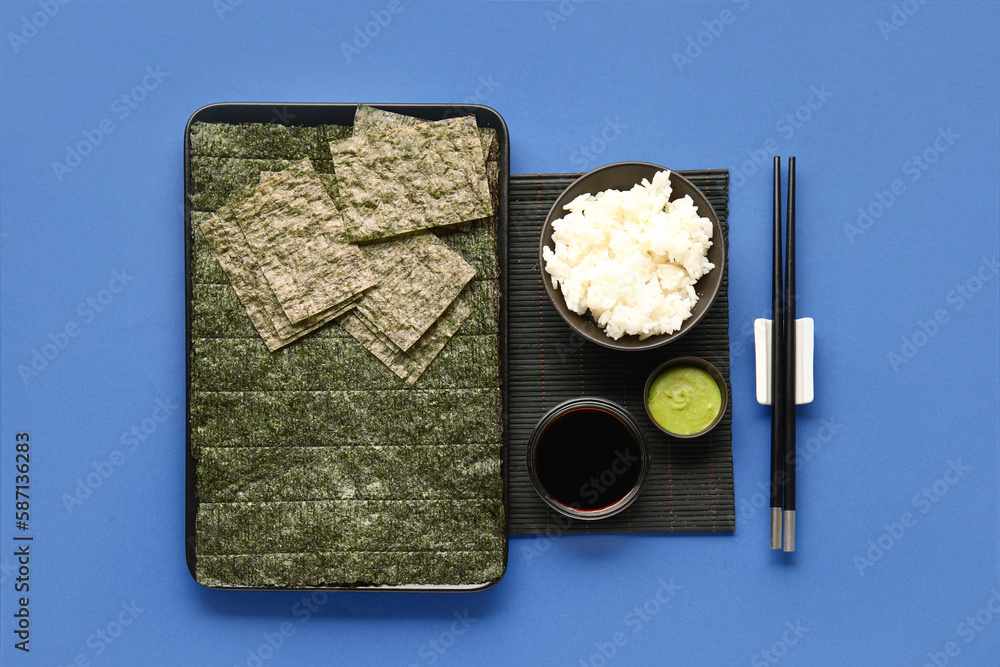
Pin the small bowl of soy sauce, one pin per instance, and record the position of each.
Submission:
(587, 458)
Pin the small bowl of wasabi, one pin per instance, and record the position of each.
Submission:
(686, 397)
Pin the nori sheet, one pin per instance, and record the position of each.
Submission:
(420, 472)
(371, 121)
(316, 464)
(233, 255)
(418, 278)
(265, 141)
(293, 228)
(410, 179)
(408, 364)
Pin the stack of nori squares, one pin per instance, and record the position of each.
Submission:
(279, 246)
(317, 465)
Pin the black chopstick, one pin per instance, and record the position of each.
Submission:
(777, 370)
(789, 366)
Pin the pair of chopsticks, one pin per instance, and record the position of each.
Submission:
(783, 369)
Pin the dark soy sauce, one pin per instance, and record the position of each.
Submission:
(588, 459)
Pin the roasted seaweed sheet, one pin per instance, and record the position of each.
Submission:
(411, 178)
(279, 245)
(317, 465)
(234, 256)
(418, 278)
(293, 227)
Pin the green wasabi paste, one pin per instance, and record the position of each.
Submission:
(684, 400)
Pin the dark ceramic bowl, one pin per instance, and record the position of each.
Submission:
(622, 176)
(702, 364)
(591, 476)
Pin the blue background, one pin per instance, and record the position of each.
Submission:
(905, 303)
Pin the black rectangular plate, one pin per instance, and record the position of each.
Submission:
(309, 115)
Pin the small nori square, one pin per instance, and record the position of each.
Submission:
(293, 227)
(281, 438)
(233, 254)
(411, 363)
(264, 141)
(371, 121)
(418, 278)
(413, 178)
(270, 417)
(421, 472)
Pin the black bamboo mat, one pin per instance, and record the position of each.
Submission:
(690, 483)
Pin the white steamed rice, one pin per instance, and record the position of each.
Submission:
(632, 258)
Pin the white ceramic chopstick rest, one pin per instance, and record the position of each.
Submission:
(804, 330)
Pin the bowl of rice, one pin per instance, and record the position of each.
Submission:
(632, 255)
